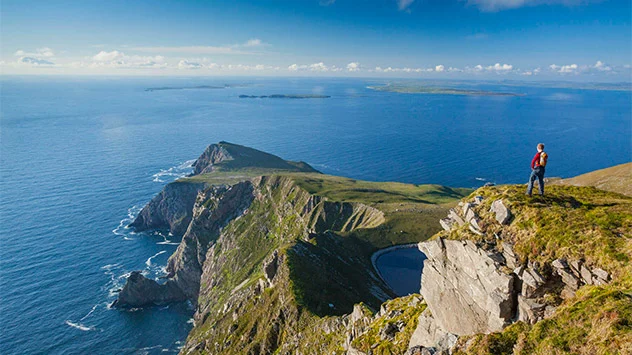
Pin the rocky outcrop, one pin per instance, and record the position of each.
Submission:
(171, 209)
(483, 278)
(459, 275)
(140, 291)
(213, 154)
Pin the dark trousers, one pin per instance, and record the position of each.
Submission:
(537, 173)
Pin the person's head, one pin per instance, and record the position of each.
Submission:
(540, 147)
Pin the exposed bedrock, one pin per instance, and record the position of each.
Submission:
(171, 209)
(460, 276)
(140, 291)
(213, 154)
(214, 209)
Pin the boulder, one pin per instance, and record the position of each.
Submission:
(453, 215)
(470, 215)
(503, 214)
(587, 276)
(511, 259)
(600, 276)
(562, 269)
(446, 223)
(530, 311)
(427, 333)
(532, 282)
(460, 276)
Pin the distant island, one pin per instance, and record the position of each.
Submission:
(278, 96)
(423, 89)
(199, 87)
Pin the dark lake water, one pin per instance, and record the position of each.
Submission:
(401, 268)
(80, 156)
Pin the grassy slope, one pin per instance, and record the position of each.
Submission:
(575, 223)
(249, 158)
(412, 211)
(616, 179)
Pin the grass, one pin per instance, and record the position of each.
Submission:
(614, 179)
(577, 223)
(245, 157)
(406, 312)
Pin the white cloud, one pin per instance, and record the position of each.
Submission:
(499, 5)
(454, 70)
(318, 67)
(353, 66)
(104, 56)
(185, 64)
(118, 59)
(242, 48)
(439, 68)
(564, 69)
(601, 66)
(43, 52)
(404, 4)
(35, 62)
(500, 68)
(254, 42)
(326, 2)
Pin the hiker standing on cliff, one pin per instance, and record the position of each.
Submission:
(537, 169)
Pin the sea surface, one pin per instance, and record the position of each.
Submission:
(80, 156)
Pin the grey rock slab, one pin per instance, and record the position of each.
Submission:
(503, 214)
(460, 276)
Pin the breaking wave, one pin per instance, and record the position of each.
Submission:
(175, 172)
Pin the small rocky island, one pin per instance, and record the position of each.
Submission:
(283, 96)
(276, 258)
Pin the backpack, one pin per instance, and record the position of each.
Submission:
(543, 158)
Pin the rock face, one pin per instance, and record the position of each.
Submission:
(213, 154)
(140, 291)
(213, 210)
(171, 209)
(460, 276)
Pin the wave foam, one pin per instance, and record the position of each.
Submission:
(79, 326)
(148, 262)
(174, 172)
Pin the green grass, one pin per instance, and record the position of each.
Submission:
(568, 222)
(574, 223)
(245, 157)
(409, 312)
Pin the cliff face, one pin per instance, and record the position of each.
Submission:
(171, 209)
(501, 272)
(279, 263)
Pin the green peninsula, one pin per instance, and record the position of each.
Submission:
(414, 88)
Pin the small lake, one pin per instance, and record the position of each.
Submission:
(401, 268)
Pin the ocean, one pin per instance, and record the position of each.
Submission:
(80, 156)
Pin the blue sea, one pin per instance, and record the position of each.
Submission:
(80, 156)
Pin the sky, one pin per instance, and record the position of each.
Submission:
(583, 40)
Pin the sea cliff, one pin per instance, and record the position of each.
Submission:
(276, 258)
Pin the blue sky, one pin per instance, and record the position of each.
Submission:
(503, 39)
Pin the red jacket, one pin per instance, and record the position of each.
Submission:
(537, 159)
